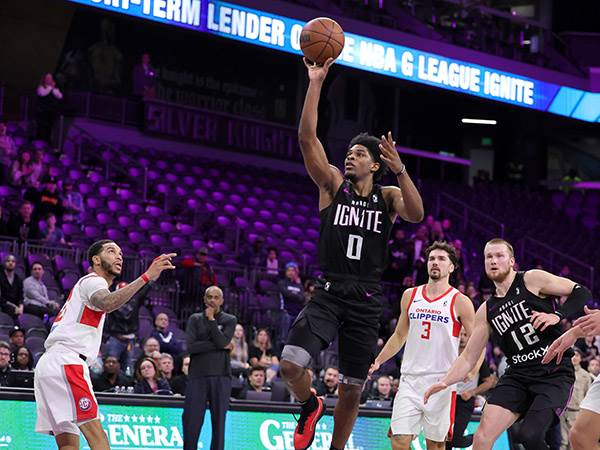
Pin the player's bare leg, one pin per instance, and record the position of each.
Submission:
(585, 433)
(297, 379)
(95, 435)
(345, 413)
(494, 421)
(434, 445)
(67, 441)
(401, 441)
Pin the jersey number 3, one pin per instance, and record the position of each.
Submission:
(354, 246)
(426, 330)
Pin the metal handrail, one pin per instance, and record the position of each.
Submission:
(469, 211)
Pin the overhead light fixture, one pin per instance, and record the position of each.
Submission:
(479, 121)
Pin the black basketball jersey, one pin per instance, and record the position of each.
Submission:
(509, 318)
(354, 234)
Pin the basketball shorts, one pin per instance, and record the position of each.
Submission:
(591, 401)
(349, 309)
(410, 415)
(534, 389)
(63, 393)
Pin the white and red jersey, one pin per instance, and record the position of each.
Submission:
(78, 326)
(433, 335)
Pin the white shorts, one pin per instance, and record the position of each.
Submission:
(410, 416)
(63, 393)
(591, 400)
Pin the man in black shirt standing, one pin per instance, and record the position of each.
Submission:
(208, 336)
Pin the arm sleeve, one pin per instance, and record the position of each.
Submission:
(575, 302)
(89, 287)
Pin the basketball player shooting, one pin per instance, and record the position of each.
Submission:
(585, 433)
(430, 322)
(63, 389)
(522, 319)
(356, 219)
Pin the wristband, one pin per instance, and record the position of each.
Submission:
(402, 171)
(558, 313)
(145, 278)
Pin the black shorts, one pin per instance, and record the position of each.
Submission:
(537, 389)
(349, 309)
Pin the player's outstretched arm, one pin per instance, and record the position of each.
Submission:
(407, 201)
(315, 159)
(469, 357)
(544, 283)
(108, 301)
(398, 337)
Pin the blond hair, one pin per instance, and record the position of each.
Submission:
(510, 248)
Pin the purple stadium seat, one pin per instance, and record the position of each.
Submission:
(206, 183)
(181, 191)
(42, 259)
(260, 227)
(38, 144)
(277, 229)
(179, 242)
(299, 219)
(272, 241)
(105, 191)
(312, 233)
(309, 246)
(291, 243)
(155, 211)
(35, 343)
(85, 188)
(104, 218)
(315, 221)
(189, 180)
(63, 264)
(219, 248)
(192, 203)
(135, 208)
(223, 221)
(200, 193)
(240, 283)
(230, 209)
(162, 188)
(286, 255)
(137, 237)
(171, 177)
(179, 167)
(125, 221)
(28, 321)
(235, 199)
(166, 227)
(115, 234)
(7, 191)
(253, 201)
(282, 217)
(186, 229)
(145, 328)
(197, 244)
(94, 203)
(267, 285)
(218, 196)
(270, 203)
(258, 191)
(153, 175)
(162, 165)
(54, 171)
(125, 194)
(224, 185)
(210, 207)
(85, 265)
(197, 170)
(214, 172)
(248, 212)
(251, 237)
(241, 188)
(68, 280)
(286, 205)
(147, 253)
(158, 239)
(5, 319)
(265, 214)
(242, 224)
(135, 172)
(303, 209)
(146, 223)
(95, 177)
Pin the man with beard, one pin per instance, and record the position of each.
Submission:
(65, 400)
(356, 220)
(522, 319)
(431, 317)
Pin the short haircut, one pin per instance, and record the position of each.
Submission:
(510, 248)
(256, 369)
(4, 344)
(148, 338)
(166, 356)
(37, 263)
(371, 143)
(448, 248)
(96, 249)
(50, 214)
(331, 367)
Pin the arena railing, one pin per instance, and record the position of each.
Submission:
(469, 217)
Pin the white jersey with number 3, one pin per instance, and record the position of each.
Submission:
(79, 325)
(433, 335)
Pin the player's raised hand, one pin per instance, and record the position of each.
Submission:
(590, 323)
(559, 346)
(317, 72)
(389, 154)
(163, 262)
(434, 389)
(543, 320)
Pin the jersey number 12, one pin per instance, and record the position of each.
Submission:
(528, 333)
(354, 248)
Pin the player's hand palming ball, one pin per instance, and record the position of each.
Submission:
(321, 38)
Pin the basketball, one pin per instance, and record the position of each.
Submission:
(320, 39)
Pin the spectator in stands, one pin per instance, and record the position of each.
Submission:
(49, 200)
(262, 354)
(458, 276)
(208, 336)
(399, 264)
(48, 107)
(239, 351)
(22, 170)
(205, 273)
(166, 366)
(257, 378)
(22, 359)
(179, 383)
(52, 234)
(111, 376)
(418, 244)
(167, 340)
(291, 290)
(309, 290)
(37, 161)
(72, 203)
(151, 349)
(16, 337)
(448, 231)
(328, 385)
(473, 294)
(583, 381)
(23, 226)
(437, 232)
(122, 327)
(35, 294)
(144, 76)
(149, 380)
(8, 154)
(594, 367)
(4, 363)
(254, 254)
(272, 264)
(11, 288)
(383, 389)
(589, 348)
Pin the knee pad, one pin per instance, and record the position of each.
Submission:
(351, 380)
(296, 355)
